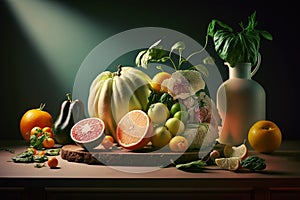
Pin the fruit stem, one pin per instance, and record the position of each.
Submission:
(42, 106)
(119, 70)
(69, 97)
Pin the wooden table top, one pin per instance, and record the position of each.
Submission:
(283, 165)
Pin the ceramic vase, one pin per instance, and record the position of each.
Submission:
(241, 101)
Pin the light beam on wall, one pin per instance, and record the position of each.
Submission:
(62, 36)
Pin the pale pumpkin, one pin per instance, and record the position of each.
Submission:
(113, 94)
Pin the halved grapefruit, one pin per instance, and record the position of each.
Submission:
(134, 130)
(88, 132)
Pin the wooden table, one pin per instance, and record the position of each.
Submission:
(280, 180)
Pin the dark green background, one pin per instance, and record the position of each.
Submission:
(26, 82)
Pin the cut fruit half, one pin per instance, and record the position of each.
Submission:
(88, 132)
(134, 130)
(240, 151)
(232, 163)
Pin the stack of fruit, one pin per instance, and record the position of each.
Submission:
(182, 118)
(169, 122)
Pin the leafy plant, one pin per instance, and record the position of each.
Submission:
(156, 53)
(239, 47)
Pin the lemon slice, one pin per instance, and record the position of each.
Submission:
(232, 163)
(240, 151)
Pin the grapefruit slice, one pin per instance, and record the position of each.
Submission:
(88, 132)
(232, 163)
(134, 130)
(240, 151)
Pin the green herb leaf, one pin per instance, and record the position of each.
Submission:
(37, 142)
(52, 152)
(23, 157)
(253, 163)
(194, 164)
(40, 158)
(39, 165)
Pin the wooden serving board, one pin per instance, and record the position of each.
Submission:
(121, 157)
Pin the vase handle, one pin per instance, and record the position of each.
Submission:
(257, 65)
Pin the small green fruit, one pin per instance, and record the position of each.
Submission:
(161, 137)
(175, 126)
(182, 115)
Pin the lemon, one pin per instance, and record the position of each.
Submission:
(240, 151)
(232, 163)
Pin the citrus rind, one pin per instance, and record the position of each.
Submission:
(232, 163)
(133, 133)
(240, 151)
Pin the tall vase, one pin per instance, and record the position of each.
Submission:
(241, 101)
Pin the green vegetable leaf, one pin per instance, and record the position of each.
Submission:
(40, 158)
(52, 152)
(212, 24)
(154, 53)
(266, 35)
(23, 157)
(253, 163)
(37, 142)
(194, 164)
(167, 99)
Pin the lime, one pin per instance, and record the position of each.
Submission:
(182, 115)
(176, 107)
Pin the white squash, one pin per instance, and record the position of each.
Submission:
(113, 94)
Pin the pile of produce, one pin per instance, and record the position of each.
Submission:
(127, 108)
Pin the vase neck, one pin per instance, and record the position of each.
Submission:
(242, 70)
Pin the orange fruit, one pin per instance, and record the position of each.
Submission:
(232, 163)
(134, 130)
(41, 153)
(48, 143)
(36, 131)
(264, 136)
(48, 131)
(107, 142)
(52, 162)
(157, 81)
(32, 118)
(240, 151)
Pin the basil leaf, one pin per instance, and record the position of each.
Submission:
(23, 157)
(40, 158)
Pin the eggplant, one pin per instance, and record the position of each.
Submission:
(71, 111)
